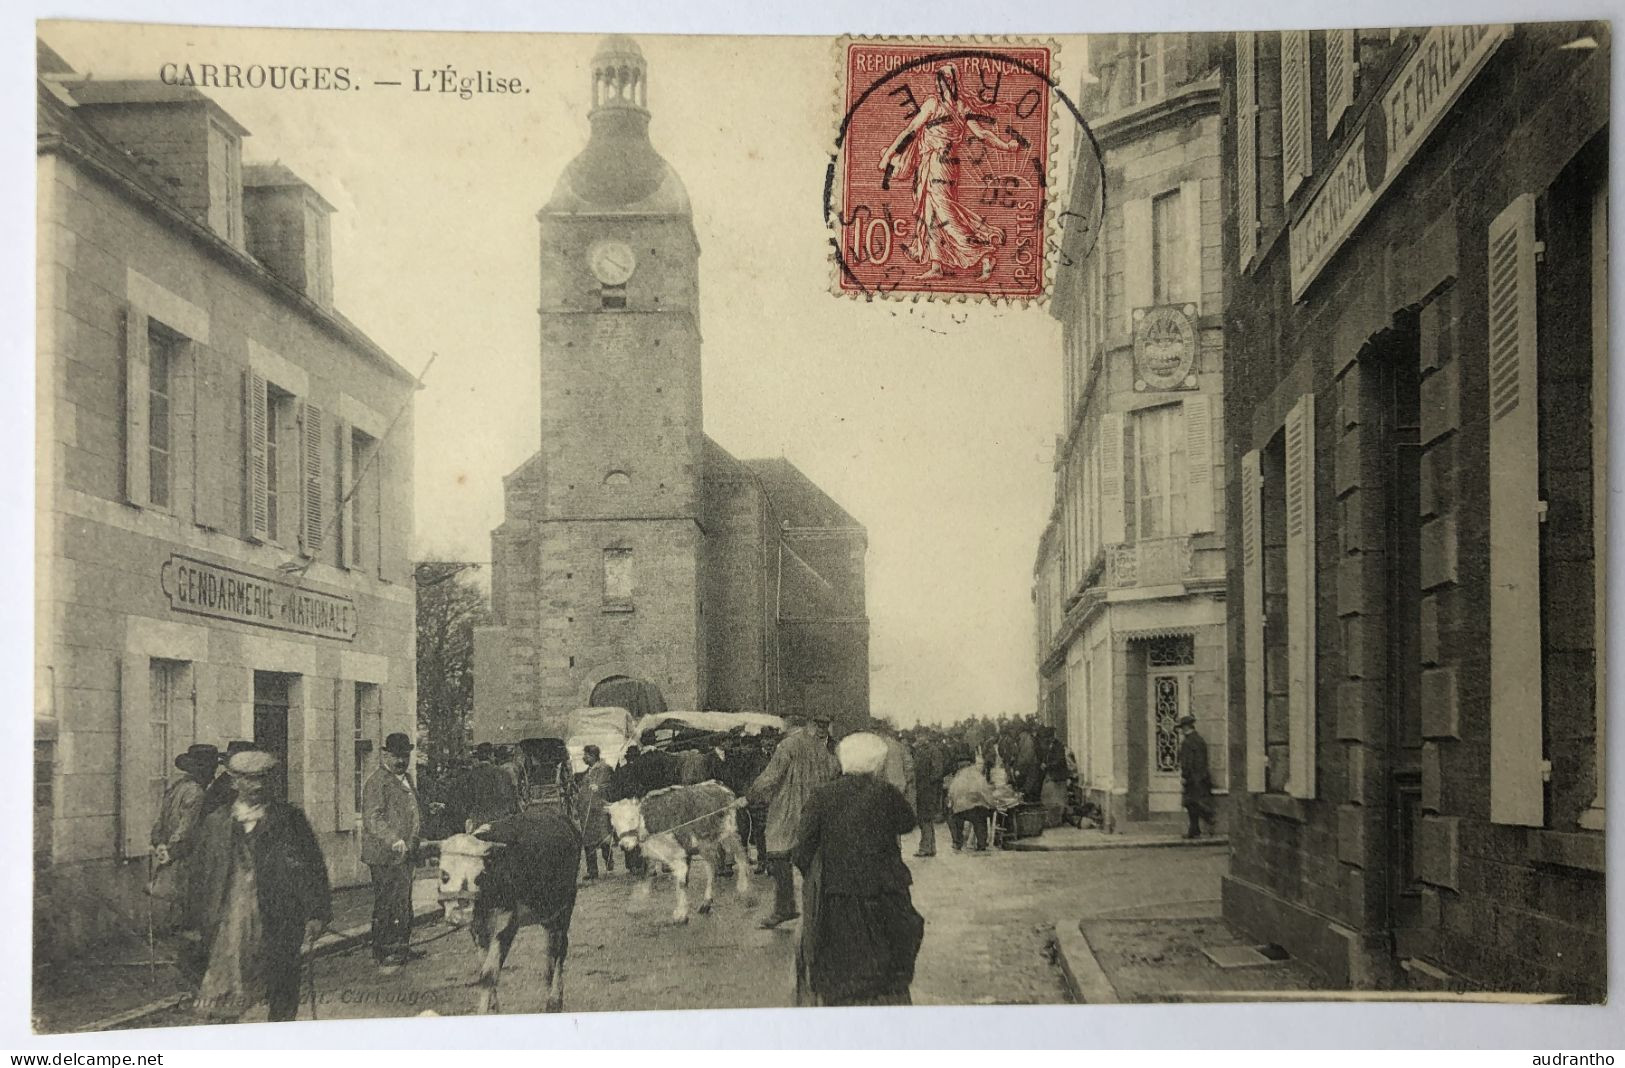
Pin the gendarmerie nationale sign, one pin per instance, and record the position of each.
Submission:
(1409, 108)
(205, 589)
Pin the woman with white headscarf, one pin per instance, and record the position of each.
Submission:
(859, 931)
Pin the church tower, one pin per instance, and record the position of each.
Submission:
(618, 478)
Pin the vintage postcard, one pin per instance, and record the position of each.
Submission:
(538, 522)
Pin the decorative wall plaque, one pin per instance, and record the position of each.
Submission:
(1165, 347)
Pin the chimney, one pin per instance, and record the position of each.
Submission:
(288, 229)
(188, 145)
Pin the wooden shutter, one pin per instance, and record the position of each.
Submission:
(1295, 102)
(1246, 148)
(344, 519)
(1190, 206)
(343, 755)
(137, 810)
(1198, 420)
(1300, 595)
(137, 380)
(1339, 76)
(311, 483)
(256, 485)
(209, 454)
(1516, 791)
(378, 471)
(1111, 478)
(1136, 257)
(1252, 614)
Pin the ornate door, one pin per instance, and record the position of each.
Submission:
(1171, 672)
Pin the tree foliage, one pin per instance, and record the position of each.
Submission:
(450, 606)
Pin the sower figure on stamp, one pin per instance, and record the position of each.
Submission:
(258, 891)
(1195, 779)
(947, 234)
(390, 823)
(800, 765)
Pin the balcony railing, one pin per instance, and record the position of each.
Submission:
(1162, 562)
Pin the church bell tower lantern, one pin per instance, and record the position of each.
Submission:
(622, 435)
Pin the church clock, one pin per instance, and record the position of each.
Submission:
(612, 262)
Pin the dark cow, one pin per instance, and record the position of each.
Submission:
(679, 822)
(524, 863)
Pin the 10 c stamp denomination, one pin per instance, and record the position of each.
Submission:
(943, 163)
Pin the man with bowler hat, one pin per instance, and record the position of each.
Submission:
(1195, 778)
(173, 839)
(389, 843)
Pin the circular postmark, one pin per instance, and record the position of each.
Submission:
(939, 181)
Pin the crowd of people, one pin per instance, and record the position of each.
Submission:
(243, 886)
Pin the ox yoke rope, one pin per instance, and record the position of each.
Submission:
(738, 802)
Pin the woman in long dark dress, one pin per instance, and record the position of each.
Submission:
(859, 931)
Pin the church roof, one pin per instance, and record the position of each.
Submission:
(619, 171)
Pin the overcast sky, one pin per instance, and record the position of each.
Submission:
(932, 424)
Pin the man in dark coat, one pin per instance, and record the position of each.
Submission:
(390, 823)
(220, 792)
(258, 891)
(592, 787)
(1195, 779)
(928, 775)
(860, 934)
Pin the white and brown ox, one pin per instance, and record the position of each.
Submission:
(677, 823)
(525, 863)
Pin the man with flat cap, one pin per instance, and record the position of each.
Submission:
(1195, 778)
(259, 892)
(220, 792)
(389, 844)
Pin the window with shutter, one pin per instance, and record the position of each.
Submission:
(1300, 593)
(1246, 148)
(1296, 150)
(1517, 794)
(312, 483)
(1111, 479)
(136, 399)
(1340, 70)
(1199, 464)
(1252, 577)
(137, 809)
(1190, 201)
(1169, 258)
(256, 443)
(209, 454)
(1137, 258)
(343, 525)
(162, 350)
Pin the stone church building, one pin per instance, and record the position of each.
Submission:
(636, 554)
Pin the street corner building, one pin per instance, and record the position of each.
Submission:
(1129, 579)
(637, 556)
(224, 485)
(1415, 252)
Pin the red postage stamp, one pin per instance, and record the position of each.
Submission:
(941, 176)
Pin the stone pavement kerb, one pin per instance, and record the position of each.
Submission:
(424, 889)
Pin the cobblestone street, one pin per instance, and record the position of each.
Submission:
(986, 942)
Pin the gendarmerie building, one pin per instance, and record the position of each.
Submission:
(224, 492)
(1129, 579)
(1416, 253)
(638, 561)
